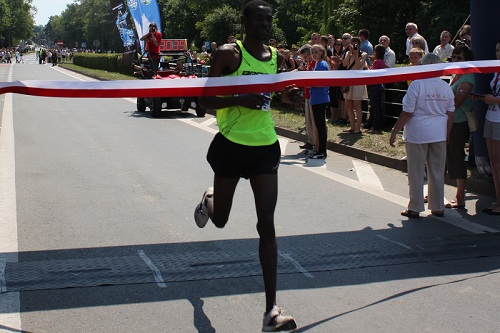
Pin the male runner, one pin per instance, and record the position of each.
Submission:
(247, 146)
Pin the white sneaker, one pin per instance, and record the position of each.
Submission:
(201, 211)
(275, 321)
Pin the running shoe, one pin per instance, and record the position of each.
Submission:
(275, 321)
(201, 211)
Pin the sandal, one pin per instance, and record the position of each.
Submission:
(410, 214)
(454, 205)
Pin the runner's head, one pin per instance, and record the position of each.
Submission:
(257, 19)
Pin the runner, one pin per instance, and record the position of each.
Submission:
(247, 146)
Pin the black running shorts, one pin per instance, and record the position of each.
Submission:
(230, 160)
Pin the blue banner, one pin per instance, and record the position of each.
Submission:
(124, 25)
(144, 12)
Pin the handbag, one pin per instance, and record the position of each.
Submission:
(472, 121)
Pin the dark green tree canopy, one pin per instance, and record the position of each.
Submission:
(215, 20)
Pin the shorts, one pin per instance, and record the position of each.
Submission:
(491, 130)
(231, 160)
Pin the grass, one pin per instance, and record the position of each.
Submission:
(377, 143)
(97, 73)
(289, 119)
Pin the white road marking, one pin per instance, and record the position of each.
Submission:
(296, 264)
(365, 174)
(9, 302)
(209, 121)
(156, 272)
(200, 126)
(283, 144)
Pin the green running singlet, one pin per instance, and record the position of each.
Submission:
(243, 125)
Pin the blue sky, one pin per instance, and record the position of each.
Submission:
(48, 8)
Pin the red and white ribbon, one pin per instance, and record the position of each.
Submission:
(240, 84)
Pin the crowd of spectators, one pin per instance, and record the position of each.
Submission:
(345, 107)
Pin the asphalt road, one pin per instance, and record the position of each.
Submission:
(97, 232)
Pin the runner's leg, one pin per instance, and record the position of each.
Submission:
(265, 189)
(219, 205)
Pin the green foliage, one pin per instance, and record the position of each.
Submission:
(219, 24)
(102, 61)
(16, 21)
(215, 20)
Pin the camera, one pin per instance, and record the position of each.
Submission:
(355, 47)
(462, 42)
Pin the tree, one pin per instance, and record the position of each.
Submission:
(220, 23)
(16, 21)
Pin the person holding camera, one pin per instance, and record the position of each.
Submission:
(355, 59)
(153, 39)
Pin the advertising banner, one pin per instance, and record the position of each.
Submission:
(124, 25)
(144, 12)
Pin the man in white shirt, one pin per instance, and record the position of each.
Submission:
(389, 56)
(444, 50)
(412, 31)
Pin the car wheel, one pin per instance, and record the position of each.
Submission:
(156, 109)
(141, 105)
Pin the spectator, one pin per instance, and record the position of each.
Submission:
(331, 42)
(464, 36)
(461, 85)
(334, 92)
(346, 42)
(411, 30)
(315, 38)
(153, 40)
(305, 54)
(416, 54)
(389, 56)
(492, 135)
(365, 44)
(355, 60)
(418, 42)
(427, 118)
(204, 52)
(231, 39)
(320, 100)
(323, 40)
(444, 49)
(289, 64)
(272, 42)
(213, 48)
(375, 123)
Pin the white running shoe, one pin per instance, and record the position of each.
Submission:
(201, 211)
(275, 321)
